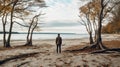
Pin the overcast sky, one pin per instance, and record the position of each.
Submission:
(62, 16)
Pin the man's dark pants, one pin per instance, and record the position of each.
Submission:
(58, 48)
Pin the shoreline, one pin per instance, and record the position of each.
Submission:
(103, 36)
(68, 42)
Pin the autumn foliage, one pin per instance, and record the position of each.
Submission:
(114, 25)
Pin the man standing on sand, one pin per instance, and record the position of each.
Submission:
(58, 43)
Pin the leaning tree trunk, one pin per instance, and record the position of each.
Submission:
(9, 35)
(10, 31)
(30, 40)
(28, 34)
(32, 34)
(11, 24)
(30, 30)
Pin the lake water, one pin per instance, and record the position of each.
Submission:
(45, 36)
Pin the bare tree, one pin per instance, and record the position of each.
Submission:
(103, 6)
(101, 12)
(114, 25)
(32, 26)
(88, 16)
(11, 23)
(4, 11)
(88, 26)
(11, 8)
(4, 21)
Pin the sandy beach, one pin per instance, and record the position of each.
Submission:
(43, 54)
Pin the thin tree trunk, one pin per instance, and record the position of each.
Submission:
(30, 30)
(4, 36)
(32, 34)
(10, 31)
(95, 36)
(4, 32)
(11, 24)
(28, 35)
(91, 38)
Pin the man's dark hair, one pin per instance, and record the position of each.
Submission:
(58, 34)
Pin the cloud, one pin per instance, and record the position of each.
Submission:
(72, 29)
(53, 2)
(62, 16)
(60, 24)
(61, 10)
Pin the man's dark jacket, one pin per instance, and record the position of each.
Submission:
(58, 40)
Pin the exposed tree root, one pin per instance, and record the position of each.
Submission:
(28, 44)
(90, 48)
(95, 49)
(17, 57)
(113, 50)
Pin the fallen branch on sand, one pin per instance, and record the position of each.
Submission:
(84, 49)
(18, 57)
(107, 51)
(23, 64)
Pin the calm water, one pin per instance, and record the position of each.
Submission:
(46, 36)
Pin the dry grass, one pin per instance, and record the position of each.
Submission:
(75, 47)
(112, 44)
(109, 44)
